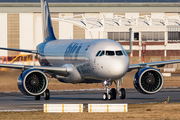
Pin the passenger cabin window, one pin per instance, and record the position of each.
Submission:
(102, 53)
(119, 53)
(98, 53)
(110, 53)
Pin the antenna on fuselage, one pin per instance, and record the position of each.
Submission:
(46, 20)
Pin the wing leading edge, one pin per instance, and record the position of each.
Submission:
(158, 64)
(62, 71)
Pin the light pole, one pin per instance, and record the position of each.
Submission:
(143, 49)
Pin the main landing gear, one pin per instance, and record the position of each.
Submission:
(46, 95)
(110, 94)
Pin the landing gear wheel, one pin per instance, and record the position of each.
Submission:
(123, 93)
(38, 97)
(109, 96)
(46, 94)
(113, 93)
(105, 96)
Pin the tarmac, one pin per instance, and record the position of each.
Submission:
(16, 101)
(91, 1)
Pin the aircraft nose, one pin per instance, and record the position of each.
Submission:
(118, 67)
(113, 68)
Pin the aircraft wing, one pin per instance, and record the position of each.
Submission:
(58, 70)
(158, 64)
(62, 71)
(20, 50)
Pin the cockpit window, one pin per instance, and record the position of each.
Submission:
(119, 53)
(102, 53)
(110, 53)
(98, 53)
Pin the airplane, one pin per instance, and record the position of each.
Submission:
(83, 61)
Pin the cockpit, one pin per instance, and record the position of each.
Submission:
(111, 53)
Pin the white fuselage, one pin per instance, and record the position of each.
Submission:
(80, 57)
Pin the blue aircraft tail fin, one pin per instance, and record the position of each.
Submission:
(47, 24)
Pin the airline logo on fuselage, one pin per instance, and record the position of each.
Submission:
(72, 51)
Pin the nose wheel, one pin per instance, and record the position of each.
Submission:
(110, 93)
(105, 96)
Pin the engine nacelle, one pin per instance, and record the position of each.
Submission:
(32, 82)
(148, 80)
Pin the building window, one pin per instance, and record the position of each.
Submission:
(173, 36)
(118, 36)
(152, 36)
(136, 36)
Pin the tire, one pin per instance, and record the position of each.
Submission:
(104, 96)
(46, 95)
(109, 96)
(38, 97)
(123, 93)
(113, 93)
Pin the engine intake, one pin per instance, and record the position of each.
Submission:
(32, 82)
(148, 80)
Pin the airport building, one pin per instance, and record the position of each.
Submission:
(157, 24)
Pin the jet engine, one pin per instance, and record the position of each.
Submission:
(32, 82)
(148, 80)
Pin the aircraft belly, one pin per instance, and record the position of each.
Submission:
(80, 73)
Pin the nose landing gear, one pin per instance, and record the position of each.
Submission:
(107, 95)
(112, 93)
